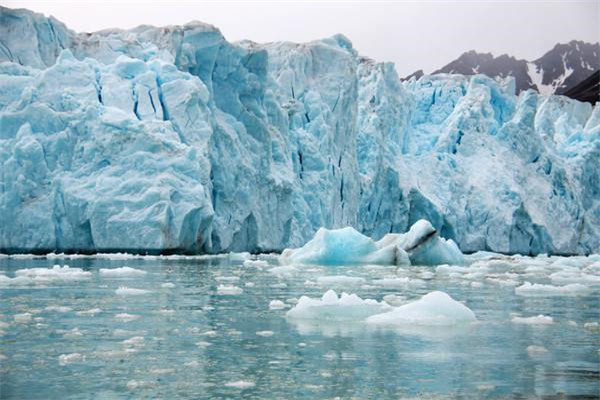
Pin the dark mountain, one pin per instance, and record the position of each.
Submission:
(472, 62)
(588, 90)
(417, 74)
(568, 64)
(556, 72)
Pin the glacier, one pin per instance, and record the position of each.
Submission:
(172, 139)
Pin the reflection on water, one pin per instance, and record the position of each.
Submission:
(204, 329)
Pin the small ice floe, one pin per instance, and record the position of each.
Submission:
(242, 256)
(203, 343)
(280, 285)
(536, 349)
(240, 384)
(192, 363)
(394, 299)
(23, 318)
(229, 290)
(88, 313)
(249, 284)
(277, 305)
(593, 326)
(123, 272)
(562, 277)
(265, 333)
(126, 291)
(124, 317)
(330, 307)
(339, 280)
(133, 384)
(73, 333)
(136, 341)
(284, 270)
(227, 278)
(162, 371)
(537, 289)
(40, 276)
(397, 282)
(435, 308)
(536, 320)
(65, 359)
(167, 285)
(59, 309)
(259, 264)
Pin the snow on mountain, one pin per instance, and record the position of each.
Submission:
(173, 139)
(557, 71)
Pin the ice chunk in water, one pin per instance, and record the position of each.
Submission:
(126, 291)
(229, 290)
(537, 289)
(31, 276)
(332, 247)
(435, 308)
(240, 384)
(330, 307)
(120, 272)
(277, 305)
(537, 320)
(536, 349)
(23, 317)
(420, 245)
(340, 280)
(65, 359)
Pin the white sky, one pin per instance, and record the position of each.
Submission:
(413, 34)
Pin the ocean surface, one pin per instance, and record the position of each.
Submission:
(207, 327)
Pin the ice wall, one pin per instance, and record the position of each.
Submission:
(174, 139)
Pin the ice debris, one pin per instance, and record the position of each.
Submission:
(536, 320)
(420, 245)
(127, 291)
(121, 272)
(538, 289)
(229, 290)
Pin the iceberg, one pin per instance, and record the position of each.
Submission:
(420, 245)
(435, 308)
(154, 140)
(331, 307)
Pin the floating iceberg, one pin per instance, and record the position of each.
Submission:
(435, 308)
(420, 245)
(346, 307)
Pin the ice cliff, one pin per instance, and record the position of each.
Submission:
(174, 139)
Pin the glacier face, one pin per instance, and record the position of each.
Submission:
(173, 139)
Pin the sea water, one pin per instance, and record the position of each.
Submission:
(216, 327)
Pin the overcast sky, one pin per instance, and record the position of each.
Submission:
(413, 34)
